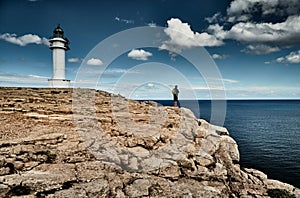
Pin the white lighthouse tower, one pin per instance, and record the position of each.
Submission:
(59, 45)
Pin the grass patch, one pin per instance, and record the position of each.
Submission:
(280, 193)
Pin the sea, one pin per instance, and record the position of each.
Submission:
(267, 133)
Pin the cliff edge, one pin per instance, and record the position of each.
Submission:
(87, 143)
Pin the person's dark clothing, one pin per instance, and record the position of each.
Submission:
(175, 93)
(175, 97)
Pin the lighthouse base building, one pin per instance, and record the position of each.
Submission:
(59, 45)
(58, 83)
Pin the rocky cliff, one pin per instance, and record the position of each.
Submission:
(87, 143)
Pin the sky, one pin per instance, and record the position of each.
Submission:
(246, 49)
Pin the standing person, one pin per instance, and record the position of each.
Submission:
(175, 93)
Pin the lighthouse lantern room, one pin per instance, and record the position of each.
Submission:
(59, 45)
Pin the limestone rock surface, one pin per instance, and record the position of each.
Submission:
(87, 143)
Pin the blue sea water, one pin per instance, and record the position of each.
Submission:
(267, 133)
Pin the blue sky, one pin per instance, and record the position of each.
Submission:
(254, 44)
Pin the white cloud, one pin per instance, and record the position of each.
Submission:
(293, 58)
(74, 60)
(218, 56)
(127, 21)
(36, 76)
(258, 92)
(152, 24)
(139, 54)
(215, 84)
(208, 88)
(278, 28)
(260, 49)
(268, 62)
(229, 80)
(120, 70)
(24, 40)
(226, 80)
(183, 37)
(280, 59)
(116, 70)
(262, 37)
(150, 85)
(243, 10)
(94, 61)
(277, 33)
(215, 18)
(18, 80)
(45, 41)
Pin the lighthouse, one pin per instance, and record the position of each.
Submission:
(59, 45)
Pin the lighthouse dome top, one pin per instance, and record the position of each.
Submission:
(58, 40)
(58, 32)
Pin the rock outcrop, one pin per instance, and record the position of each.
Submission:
(87, 143)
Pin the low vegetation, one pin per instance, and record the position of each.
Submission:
(280, 193)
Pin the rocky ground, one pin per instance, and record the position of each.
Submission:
(87, 143)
